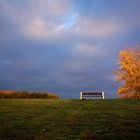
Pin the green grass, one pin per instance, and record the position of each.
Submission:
(41, 119)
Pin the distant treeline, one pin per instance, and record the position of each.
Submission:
(27, 94)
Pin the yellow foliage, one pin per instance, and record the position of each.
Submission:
(129, 73)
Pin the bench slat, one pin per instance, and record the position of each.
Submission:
(91, 93)
(92, 96)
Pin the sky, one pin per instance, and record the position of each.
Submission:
(65, 46)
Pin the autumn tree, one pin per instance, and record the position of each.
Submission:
(128, 74)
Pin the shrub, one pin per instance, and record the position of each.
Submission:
(27, 94)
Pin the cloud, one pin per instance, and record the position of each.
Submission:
(41, 19)
(107, 18)
(56, 19)
(88, 50)
(92, 27)
(49, 8)
(82, 57)
(40, 29)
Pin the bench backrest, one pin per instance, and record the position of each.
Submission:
(91, 94)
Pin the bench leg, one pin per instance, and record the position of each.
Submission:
(81, 96)
(103, 95)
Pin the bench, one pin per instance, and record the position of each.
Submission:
(83, 95)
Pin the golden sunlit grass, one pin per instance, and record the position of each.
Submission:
(69, 119)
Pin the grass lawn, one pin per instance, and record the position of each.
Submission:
(40, 119)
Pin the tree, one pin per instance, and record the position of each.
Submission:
(128, 74)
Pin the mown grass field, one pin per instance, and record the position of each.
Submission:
(40, 119)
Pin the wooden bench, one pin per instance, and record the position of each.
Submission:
(83, 95)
